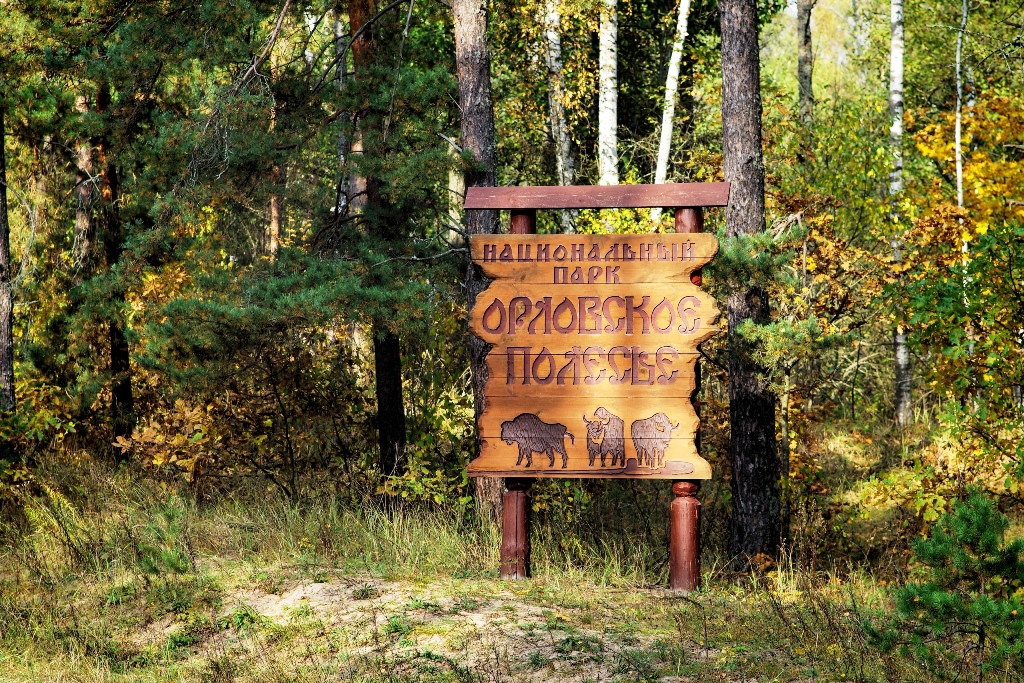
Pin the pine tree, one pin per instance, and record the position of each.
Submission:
(968, 603)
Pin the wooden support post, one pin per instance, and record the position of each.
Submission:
(684, 526)
(523, 222)
(684, 538)
(515, 518)
(515, 530)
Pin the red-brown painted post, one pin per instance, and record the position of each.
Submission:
(684, 538)
(515, 517)
(684, 527)
(523, 222)
(515, 530)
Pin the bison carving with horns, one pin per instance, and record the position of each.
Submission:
(606, 436)
(651, 438)
(533, 435)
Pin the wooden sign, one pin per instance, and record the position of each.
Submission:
(594, 342)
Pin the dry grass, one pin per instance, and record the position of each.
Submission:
(125, 580)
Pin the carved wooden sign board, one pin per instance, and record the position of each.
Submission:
(594, 343)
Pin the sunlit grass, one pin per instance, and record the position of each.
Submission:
(274, 592)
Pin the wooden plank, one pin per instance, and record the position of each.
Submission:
(591, 372)
(640, 437)
(533, 258)
(570, 411)
(669, 195)
(513, 314)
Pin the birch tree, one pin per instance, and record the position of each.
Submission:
(608, 95)
(957, 132)
(900, 349)
(565, 164)
(668, 111)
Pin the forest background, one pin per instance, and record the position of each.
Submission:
(236, 271)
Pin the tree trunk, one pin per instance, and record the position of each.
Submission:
(565, 164)
(7, 403)
(755, 462)
(363, 51)
(900, 349)
(277, 176)
(473, 68)
(122, 407)
(456, 199)
(387, 355)
(387, 361)
(608, 95)
(805, 61)
(340, 46)
(85, 232)
(784, 449)
(668, 111)
(957, 133)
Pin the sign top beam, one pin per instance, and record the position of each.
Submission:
(668, 195)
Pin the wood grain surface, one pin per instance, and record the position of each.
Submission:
(586, 372)
(669, 257)
(594, 344)
(656, 314)
(668, 195)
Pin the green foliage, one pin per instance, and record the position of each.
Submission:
(967, 606)
(161, 546)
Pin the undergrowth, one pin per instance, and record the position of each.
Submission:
(117, 577)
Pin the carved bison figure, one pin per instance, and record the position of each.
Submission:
(651, 438)
(606, 435)
(536, 436)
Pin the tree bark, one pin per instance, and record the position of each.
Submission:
(387, 356)
(668, 111)
(277, 176)
(340, 46)
(957, 133)
(473, 68)
(7, 403)
(122, 407)
(805, 61)
(608, 95)
(900, 350)
(363, 52)
(755, 462)
(85, 231)
(565, 164)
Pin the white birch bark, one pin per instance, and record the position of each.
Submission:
(896, 96)
(958, 151)
(565, 164)
(668, 111)
(959, 110)
(608, 95)
(901, 351)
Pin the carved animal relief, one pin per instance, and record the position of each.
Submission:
(594, 342)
